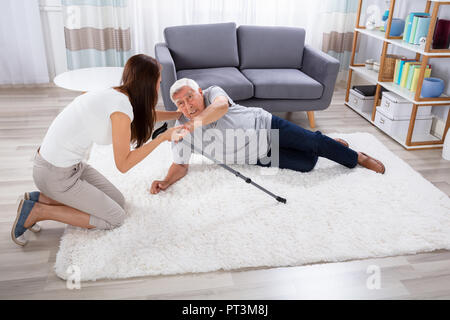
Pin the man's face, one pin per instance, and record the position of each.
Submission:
(189, 101)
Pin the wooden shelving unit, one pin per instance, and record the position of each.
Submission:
(410, 141)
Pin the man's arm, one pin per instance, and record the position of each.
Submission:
(175, 173)
(213, 112)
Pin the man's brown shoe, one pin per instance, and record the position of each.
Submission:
(342, 141)
(372, 164)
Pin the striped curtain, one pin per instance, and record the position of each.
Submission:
(338, 22)
(97, 33)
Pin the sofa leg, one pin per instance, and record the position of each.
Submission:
(312, 123)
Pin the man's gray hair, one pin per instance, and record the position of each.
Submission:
(180, 83)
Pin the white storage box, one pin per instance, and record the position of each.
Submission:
(399, 128)
(397, 108)
(360, 102)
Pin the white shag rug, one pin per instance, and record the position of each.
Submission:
(211, 220)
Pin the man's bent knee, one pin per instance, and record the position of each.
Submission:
(307, 167)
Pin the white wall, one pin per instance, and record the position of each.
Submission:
(53, 29)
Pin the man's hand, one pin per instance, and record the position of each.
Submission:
(158, 185)
(189, 126)
(176, 172)
(174, 134)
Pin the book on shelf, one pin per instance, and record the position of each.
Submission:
(423, 24)
(405, 74)
(412, 68)
(415, 79)
(413, 29)
(408, 24)
(397, 66)
(405, 70)
(398, 75)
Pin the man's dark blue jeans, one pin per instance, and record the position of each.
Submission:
(299, 149)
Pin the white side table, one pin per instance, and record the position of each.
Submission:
(88, 79)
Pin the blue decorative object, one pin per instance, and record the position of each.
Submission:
(385, 15)
(432, 87)
(397, 27)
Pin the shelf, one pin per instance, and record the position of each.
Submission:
(365, 115)
(420, 141)
(369, 75)
(400, 140)
(372, 76)
(399, 42)
(409, 95)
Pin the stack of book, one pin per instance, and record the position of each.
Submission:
(416, 27)
(406, 73)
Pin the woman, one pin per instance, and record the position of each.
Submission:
(73, 192)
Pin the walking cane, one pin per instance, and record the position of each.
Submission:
(223, 165)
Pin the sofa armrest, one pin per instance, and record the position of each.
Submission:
(322, 68)
(168, 76)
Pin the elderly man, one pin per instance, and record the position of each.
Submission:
(211, 112)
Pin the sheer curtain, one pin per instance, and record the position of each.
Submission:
(22, 51)
(97, 33)
(148, 18)
(336, 23)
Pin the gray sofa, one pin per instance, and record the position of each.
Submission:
(267, 67)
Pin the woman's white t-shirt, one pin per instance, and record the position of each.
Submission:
(84, 121)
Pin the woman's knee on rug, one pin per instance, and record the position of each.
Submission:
(116, 217)
(110, 221)
(116, 196)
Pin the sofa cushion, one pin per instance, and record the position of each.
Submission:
(203, 45)
(229, 79)
(283, 84)
(270, 47)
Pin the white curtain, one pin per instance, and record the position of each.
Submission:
(150, 17)
(22, 51)
(97, 33)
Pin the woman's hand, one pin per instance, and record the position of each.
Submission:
(167, 115)
(174, 134)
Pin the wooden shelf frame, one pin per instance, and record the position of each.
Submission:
(426, 54)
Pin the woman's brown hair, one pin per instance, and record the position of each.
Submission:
(139, 83)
